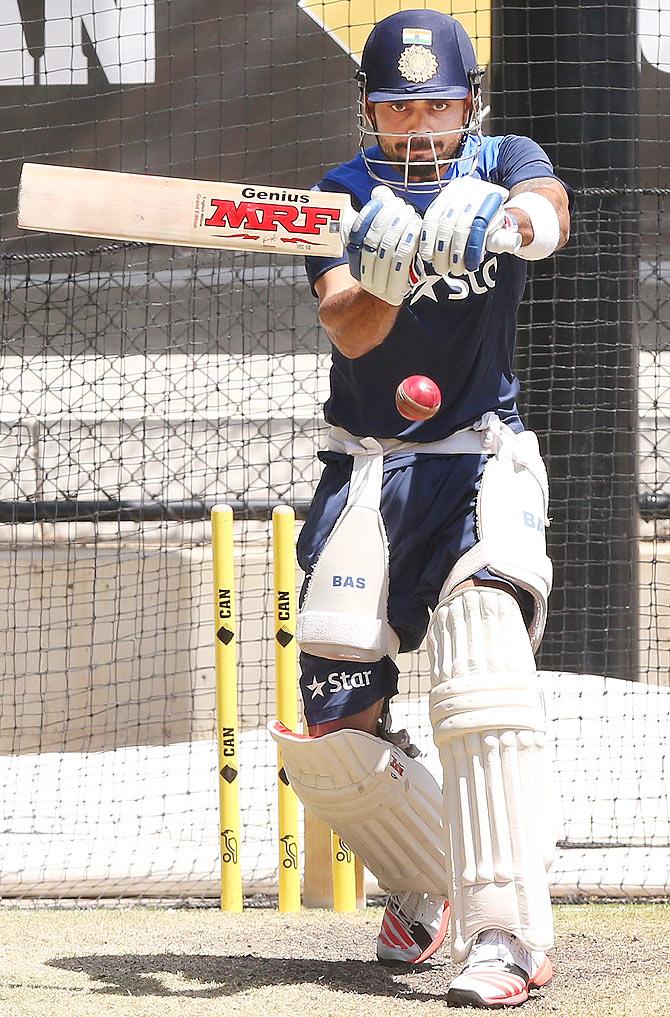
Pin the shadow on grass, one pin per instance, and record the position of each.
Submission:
(220, 976)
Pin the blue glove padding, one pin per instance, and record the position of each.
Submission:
(475, 246)
(458, 223)
(358, 233)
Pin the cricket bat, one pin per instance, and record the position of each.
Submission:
(188, 213)
(196, 213)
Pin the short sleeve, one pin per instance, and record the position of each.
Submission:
(522, 159)
(316, 267)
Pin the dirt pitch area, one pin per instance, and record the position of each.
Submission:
(611, 959)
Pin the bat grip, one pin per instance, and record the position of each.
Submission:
(504, 241)
(349, 217)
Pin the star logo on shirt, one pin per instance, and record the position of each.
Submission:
(316, 688)
(426, 288)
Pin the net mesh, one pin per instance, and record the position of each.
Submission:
(141, 385)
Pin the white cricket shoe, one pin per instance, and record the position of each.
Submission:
(499, 973)
(413, 928)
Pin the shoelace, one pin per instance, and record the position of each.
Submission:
(492, 946)
(424, 908)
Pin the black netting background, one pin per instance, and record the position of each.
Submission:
(140, 385)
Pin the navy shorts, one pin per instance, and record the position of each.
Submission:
(428, 508)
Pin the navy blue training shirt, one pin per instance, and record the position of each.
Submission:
(458, 331)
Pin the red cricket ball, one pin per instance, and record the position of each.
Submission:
(418, 398)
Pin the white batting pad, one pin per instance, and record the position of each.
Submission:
(345, 611)
(488, 724)
(386, 806)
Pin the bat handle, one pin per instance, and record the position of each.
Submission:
(347, 221)
(504, 241)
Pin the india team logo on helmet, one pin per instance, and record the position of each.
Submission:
(419, 54)
(417, 64)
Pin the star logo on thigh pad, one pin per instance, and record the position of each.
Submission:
(316, 688)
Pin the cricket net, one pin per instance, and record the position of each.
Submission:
(139, 386)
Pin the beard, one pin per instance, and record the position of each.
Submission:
(423, 165)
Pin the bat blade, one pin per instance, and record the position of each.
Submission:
(188, 213)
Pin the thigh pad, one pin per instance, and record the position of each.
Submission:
(511, 517)
(344, 614)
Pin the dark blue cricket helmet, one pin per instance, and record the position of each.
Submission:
(419, 54)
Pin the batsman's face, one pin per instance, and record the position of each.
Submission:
(406, 129)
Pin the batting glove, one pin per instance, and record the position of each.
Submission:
(465, 220)
(382, 247)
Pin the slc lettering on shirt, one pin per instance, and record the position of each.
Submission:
(462, 326)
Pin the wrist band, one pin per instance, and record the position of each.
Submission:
(543, 219)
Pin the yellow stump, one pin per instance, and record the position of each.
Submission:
(286, 669)
(225, 636)
(344, 876)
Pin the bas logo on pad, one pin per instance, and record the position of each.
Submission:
(533, 521)
(349, 582)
